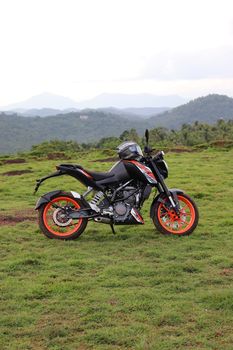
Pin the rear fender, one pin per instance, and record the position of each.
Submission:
(48, 196)
(161, 197)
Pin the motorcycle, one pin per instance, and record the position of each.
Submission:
(117, 197)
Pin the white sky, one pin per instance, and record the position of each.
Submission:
(80, 48)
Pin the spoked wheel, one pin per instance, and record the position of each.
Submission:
(168, 222)
(54, 221)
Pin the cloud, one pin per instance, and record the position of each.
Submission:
(205, 64)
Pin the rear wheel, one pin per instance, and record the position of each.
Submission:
(54, 221)
(168, 222)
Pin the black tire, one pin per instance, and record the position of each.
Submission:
(162, 217)
(50, 228)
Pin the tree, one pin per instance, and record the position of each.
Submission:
(130, 135)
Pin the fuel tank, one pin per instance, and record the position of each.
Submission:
(139, 171)
(119, 173)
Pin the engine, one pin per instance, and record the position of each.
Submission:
(124, 209)
(120, 211)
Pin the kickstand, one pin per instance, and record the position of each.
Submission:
(112, 227)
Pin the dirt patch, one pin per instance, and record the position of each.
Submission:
(181, 150)
(222, 143)
(226, 272)
(57, 155)
(110, 159)
(14, 161)
(17, 216)
(17, 172)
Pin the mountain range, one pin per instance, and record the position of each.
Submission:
(129, 113)
(132, 101)
(61, 103)
(19, 133)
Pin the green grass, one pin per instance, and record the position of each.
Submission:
(135, 290)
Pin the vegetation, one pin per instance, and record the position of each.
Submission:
(55, 146)
(198, 134)
(135, 290)
(19, 133)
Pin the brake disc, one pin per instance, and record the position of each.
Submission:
(60, 218)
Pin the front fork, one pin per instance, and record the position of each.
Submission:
(172, 197)
(162, 188)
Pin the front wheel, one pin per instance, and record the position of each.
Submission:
(55, 223)
(168, 222)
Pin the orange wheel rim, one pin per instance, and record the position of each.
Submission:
(52, 216)
(174, 224)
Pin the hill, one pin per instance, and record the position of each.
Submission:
(19, 133)
(206, 109)
(42, 112)
(146, 112)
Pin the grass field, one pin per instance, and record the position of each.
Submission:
(135, 290)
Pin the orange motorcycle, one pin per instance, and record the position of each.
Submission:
(117, 197)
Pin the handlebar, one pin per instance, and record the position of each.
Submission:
(159, 155)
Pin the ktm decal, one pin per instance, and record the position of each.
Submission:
(145, 170)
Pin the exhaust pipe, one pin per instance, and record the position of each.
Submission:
(103, 220)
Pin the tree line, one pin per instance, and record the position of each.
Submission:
(195, 134)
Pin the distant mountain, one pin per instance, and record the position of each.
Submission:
(206, 109)
(133, 113)
(146, 112)
(129, 101)
(44, 100)
(119, 101)
(43, 112)
(128, 113)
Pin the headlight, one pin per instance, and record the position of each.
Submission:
(162, 167)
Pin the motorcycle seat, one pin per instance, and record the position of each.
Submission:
(96, 176)
(99, 176)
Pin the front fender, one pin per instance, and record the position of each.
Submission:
(48, 196)
(161, 198)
